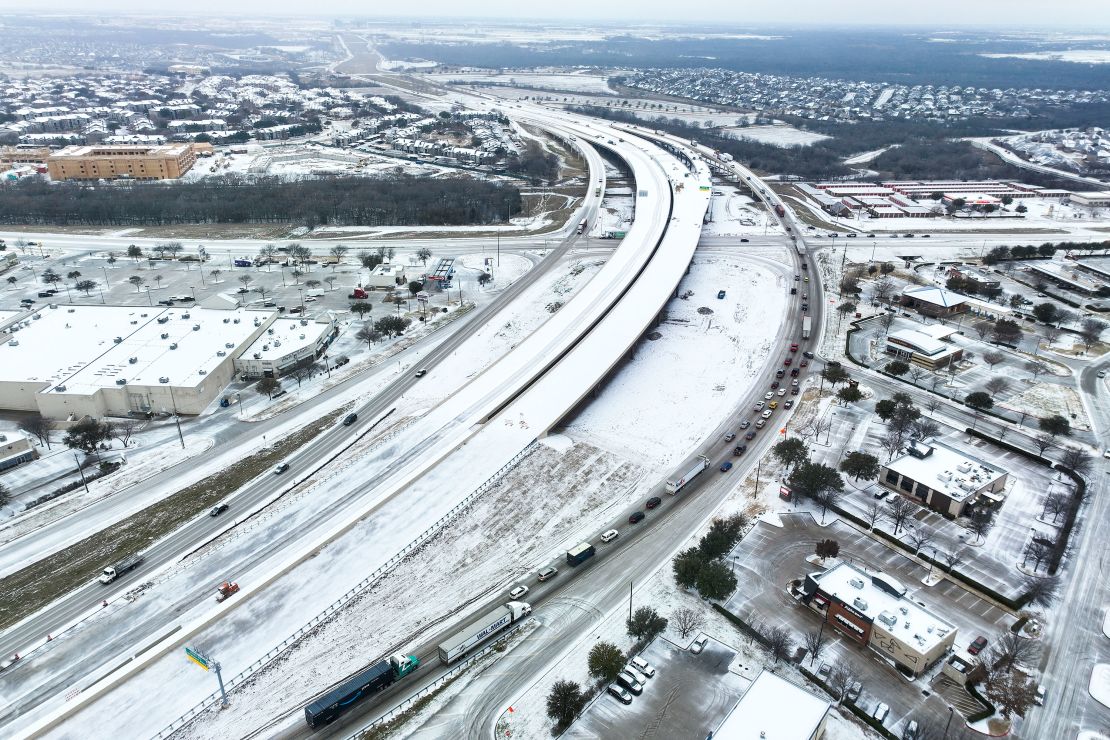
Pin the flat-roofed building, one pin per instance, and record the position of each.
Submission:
(872, 609)
(921, 348)
(74, 361)
(943, 477)
(932, 301)
(1098, 199)
(774, 707)
(135, 162)
(287, 344)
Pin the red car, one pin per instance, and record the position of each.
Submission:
(803, 363)
(794, 347)
(775, 384)
(787, 361)
(977, 645)
(794, 373)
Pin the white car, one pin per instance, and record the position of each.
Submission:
(881, 712)
(769, 395)
(609, 536)
(699, 644)
(782, 391)
(517, 592)
(767, 414)
(759, 406)
(635, 673)
(628, 681)
(1038, 699)
(643, 667)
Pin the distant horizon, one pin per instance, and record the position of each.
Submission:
(959, 17)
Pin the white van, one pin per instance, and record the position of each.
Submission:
(315, 293)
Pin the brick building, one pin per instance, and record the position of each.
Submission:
(166, 162)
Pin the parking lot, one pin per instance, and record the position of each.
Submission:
(769, 557)
(688, 697)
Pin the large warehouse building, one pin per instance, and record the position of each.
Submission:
(69, 361)
(165, 162)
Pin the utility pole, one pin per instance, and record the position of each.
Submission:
(82, 472)
(630, 601)
(177, 419)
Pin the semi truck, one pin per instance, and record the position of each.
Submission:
(326, 708)
(807, 324)
(780, 210)
(580, 553)
(112, 572)
(482, 629)
(675, 484)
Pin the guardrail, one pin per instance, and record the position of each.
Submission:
(214, 698)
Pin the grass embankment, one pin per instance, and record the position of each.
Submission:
(28, 590)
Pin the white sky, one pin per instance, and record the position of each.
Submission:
(1089, 16)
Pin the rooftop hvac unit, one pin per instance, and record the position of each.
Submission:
(945, 475)
(221, 353)
(277, 342)
(270, 330)
(72, 310)
(859, 604)
(134, 322)
(964, 467)
(173, 346)
(163, 319)
(227, 321)
(229, 345)
(196, 327)
(117, 340)
(163, 379)
(61, 389)
(258, 355)
(905, 611)
(856, 583)
(144, 315)
(37, 316)
(121, 381)
(165, 335)
(53, 305)
(132, 360)
(13, 342)
(302, 337)
(202, 372)
(185, 315)
(265, 348)
(888, 619)
(236, 321)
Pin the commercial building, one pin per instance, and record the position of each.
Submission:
(871, 609)
(1099, 199)
(66, 362)
(1067, 276)
(935, 302)
(924, 348)
(287, 344)
(981, 280)
(386, 275)
(166, 162)
(944, 478)
(773, 707)
(13, 155)
(15, 450)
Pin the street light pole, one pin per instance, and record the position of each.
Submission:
(177, 418)
(82, 472)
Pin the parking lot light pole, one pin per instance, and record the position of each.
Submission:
(951, 711)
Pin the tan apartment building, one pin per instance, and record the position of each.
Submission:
(13, 155)
(165, 162)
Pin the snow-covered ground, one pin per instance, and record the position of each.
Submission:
(586, 83)
(668, 395)
(733, 214)
(778, 135)
(301, 160)
(1077, 56)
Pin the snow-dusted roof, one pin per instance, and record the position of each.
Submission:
(85, 348)
(285, 337)
(882, 600)
(934, 295)
(945, 469)
(773, 708)
(918, 341)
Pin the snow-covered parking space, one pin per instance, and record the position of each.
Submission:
(733, 214)
(694, 367)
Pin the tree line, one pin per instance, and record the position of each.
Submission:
(357, 201)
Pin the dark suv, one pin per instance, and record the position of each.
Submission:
(636, 516)
(653, 502)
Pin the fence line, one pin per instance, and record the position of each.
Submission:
(346, 598)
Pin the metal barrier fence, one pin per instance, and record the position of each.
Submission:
(343, 600)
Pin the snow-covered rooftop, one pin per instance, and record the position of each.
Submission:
(86, 348)
(945, 469)
(882, 600)
(935, 296)
(286, 336)
(774, 708)
(918, 341)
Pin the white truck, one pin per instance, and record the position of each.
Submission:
(807, 324)
(675, 484)
(481, 629)
(112, 572)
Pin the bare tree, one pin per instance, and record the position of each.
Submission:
(920, 536)
(925, 427)
(1090, 329)
(1077, 460)
(1035, 367)
(979, 523)
(686, 620)
(37, 427)
(1010, 650)
(779, 642)
(123, 429)
(997, 385)
(982, 328)
(898, 510)
(246, 280)
(814, 640)
(993, 357)
(1012, 693)
(892, 443)
(841, 679)
(1054, 504)
(302, 373)
(1041, 591)
(1043, 441)
(330, 280)
(953, 558)
(1038, 551)
(917, 373)
(872, 514)
(882, 288)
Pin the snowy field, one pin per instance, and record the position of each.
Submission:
(1077, 56)
(734, 214)
(670, 393)
(584, 83)
(783, 135)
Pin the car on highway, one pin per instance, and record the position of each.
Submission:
(773, 405)
(739, 450)
(797, 278)
(350, 419)
(759, 406)
(794, 391)
(750, 435)
(794, 372)
(652, 503)
(720, 294)
(218, 509)
(774, 385)
(620, 694)
(636, 517)
(745, 424)
(782, 391)
(699, 644)
(769, 395)
(281, 468)
(808, 355)
(788, 361)
(518, 591)
(420, 373)
(642, 666)
(779, 373)
(793, 291)
(1102, 373)
(788, 403)
(610, 535)
(729, 437)
(805, 306)
(977, 645)
(726, 466)
(767, 414)
(760, 423)
(794, 382)
(546, 574)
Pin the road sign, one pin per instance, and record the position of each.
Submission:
(197, 657)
